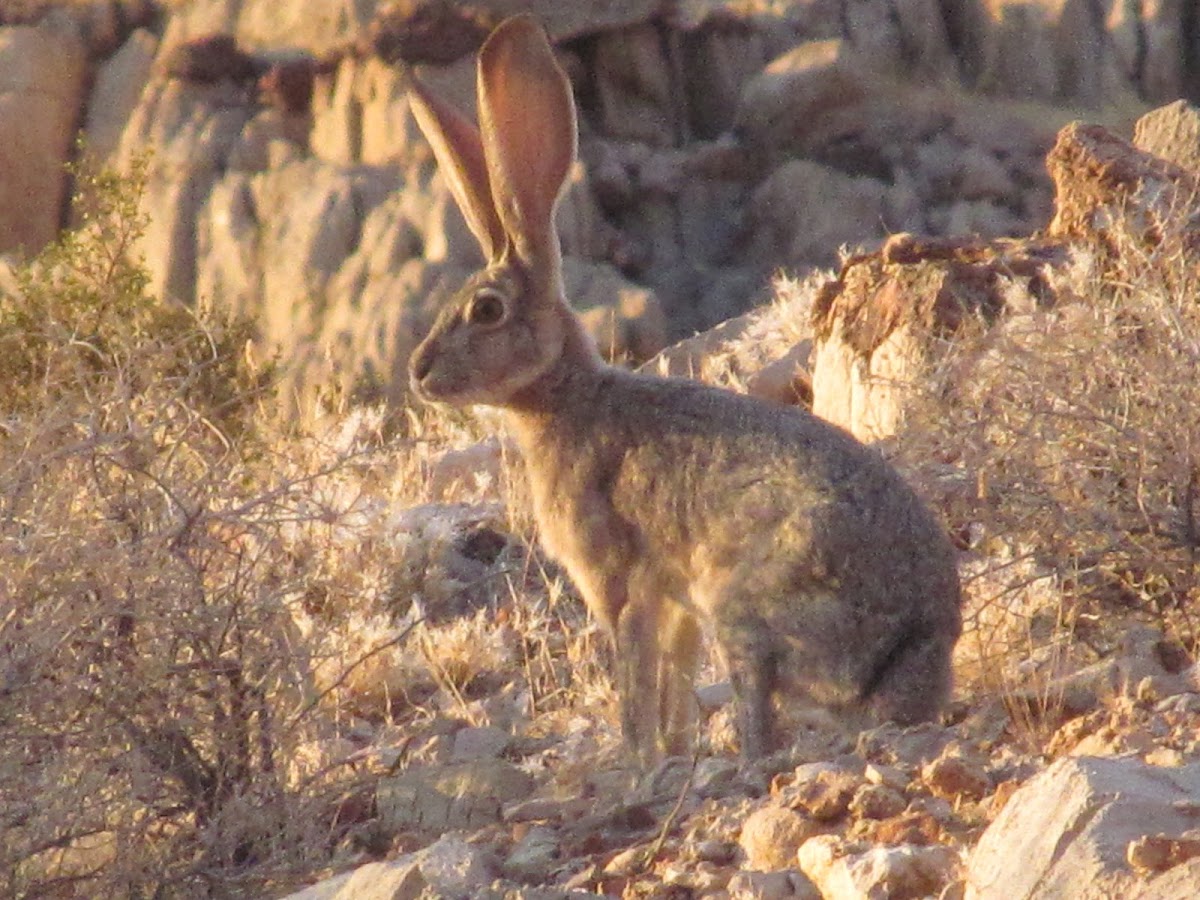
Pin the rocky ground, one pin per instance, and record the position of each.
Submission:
(1061, 778)
(1012, 319)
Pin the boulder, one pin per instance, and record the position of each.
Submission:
(582, 229)
(102, 25)
(455, 868)
(535, 857)
(325, 261)
(435, 799)
(229, 276)
(778, 885)
(268, 24)
(625, 320)
(1148, 52)
(566, 21)
(120, 80)
(335, 26)
(955, 775)
(785, 380)
(824, 102)
(803, 99)
(1165, 27)
(1106, 188)
(360, 110)
(42, 72)
(272, 138)
(426, 31)
(692, 357)
(877, 802)
(717, 62)
(190, 19)
(336, 134)
(764, 352)
(76, 858)
(393, 880)
(1171, 132)
(902, 37)
(310, 218)
(844, 871)
(449, 867)
(287, 84)
(1068, 832)
(874, 322)
(823, 791)
(634, 87)
(192, 128)
(804, 212)
(772, 834)
(1042, 49)
(363, 339)
(208, 59)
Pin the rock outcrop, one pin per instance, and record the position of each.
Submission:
(42, 71)
(721, 141)
(876, 322)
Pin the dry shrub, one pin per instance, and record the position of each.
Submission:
(204, 620)
(1064, 445)
(770, 334)
(143, 648)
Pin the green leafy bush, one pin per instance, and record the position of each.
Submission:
(81, 321)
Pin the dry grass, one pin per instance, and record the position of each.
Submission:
(1064, 446)
(204, 619)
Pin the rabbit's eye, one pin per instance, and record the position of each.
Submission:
(487, 308)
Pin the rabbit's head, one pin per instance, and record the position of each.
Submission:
(509, 324)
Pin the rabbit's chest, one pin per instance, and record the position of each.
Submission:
(578, 529)
(582, 531)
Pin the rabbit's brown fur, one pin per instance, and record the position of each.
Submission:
(672, 504)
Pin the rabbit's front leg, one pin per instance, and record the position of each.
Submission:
(680, 644)
(638, 654)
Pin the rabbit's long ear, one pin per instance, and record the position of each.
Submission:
(459, 151)
(527, 120)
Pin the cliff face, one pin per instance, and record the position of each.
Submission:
(721, 142)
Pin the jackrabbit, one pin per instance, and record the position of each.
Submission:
(674, 506)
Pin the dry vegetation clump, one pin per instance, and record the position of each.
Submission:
(204, 622)
(1065, 445)
(771, 333)
(141, 649)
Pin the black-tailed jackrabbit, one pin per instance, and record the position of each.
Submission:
(675, 506)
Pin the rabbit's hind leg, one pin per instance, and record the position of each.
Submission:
(912, 682)
(750, 654)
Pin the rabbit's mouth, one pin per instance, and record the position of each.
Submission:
(434, 385)
(428, 389)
